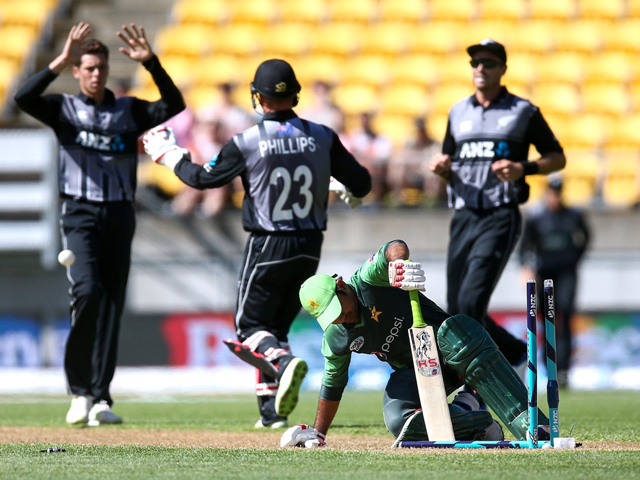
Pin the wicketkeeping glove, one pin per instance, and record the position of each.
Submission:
(302, 436)
(406, 275)
(344, 193)
(161, 145)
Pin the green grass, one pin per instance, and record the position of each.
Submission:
(597, 416)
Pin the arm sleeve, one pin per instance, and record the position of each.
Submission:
(336, 373)
(227, 165)
(540, 135)
(29, 98)
(449, 143)
(346, 169)
(375, 271)
(149, 114)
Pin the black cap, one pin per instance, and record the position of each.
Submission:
(275, 79)
(490, 46)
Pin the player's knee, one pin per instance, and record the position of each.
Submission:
(88, 292)
(462, 341)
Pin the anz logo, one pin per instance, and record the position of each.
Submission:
(477, 149)
(104, 143)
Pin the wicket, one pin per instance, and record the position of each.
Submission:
(553, 396)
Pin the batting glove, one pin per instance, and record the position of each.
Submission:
(406, 275)
(344, 193)
(161, 145)
(302, 436)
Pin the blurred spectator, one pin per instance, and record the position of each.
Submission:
(410, 180)
(373, 151)
(323, 110)
(233, 119)
(206, 142)
(553, 243)
(122, 87)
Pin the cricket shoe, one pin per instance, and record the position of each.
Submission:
(78, 413)
(283, 423)
(289, 383)
(101, 414)
(413, 429)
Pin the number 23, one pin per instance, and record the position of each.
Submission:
(302, 174)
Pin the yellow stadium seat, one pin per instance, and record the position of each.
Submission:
(418, 69)
(445, 96)
(149, 93)
(439, 38)
(552, 9)
(588, 131)
(337, 39)
(512, 10)
(535, 37)
(410, 101)
(327, 68)
(410, 11)
(634, 91)
(455, 69)
(606, 98)
(259, 12)
(580, 177)
(612, 67)
(537, 185)
(396, 128)
(184, 40)
(354, 11)
(562, 67)
(8, 72)
(181, 70)
(202, 96)
(621, 182)
(29, 13)
(239, 39)
(371, 70)
(623, 133)
(150, 173)
(437, 126)
(309, 11)
(584, 37)
(217, 69)
(633, 7)
(598, 9)
(623, 36)
(17, 42)
(557, 98)
(522, 68)
(208, 12)
(447, 10)
(356, 99)
(473, 33)
(288, 40)
(390, 39)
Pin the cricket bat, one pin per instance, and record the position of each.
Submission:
(433, 396)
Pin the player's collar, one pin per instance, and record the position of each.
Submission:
(281, 115)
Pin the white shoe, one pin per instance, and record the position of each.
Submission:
(101, 414)
(277, 424)
(79, 411)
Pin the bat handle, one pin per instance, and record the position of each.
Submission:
(418, 321)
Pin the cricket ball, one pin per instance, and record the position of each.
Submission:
(66, 258)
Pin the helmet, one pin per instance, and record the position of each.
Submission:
(275, 79)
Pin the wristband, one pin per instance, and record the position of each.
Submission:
(530, 168)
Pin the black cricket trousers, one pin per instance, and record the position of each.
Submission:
(100, 235)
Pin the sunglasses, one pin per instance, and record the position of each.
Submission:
(487, 63)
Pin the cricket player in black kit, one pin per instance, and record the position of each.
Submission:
(286, 164)
(484, 160)
(98, 144)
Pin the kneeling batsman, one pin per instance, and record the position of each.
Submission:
(366, 315)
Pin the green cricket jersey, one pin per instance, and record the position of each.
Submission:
(385, 317)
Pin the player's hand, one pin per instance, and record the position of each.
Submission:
(71, 51)
(135, 38)
(302, 436)
(440, 164)
(406, 275)
(507, 171)
(161, 145)
(343, 192)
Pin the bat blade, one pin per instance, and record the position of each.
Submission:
(433, 396)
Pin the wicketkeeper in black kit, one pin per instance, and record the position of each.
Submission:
(98, 143)
(286, 164)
